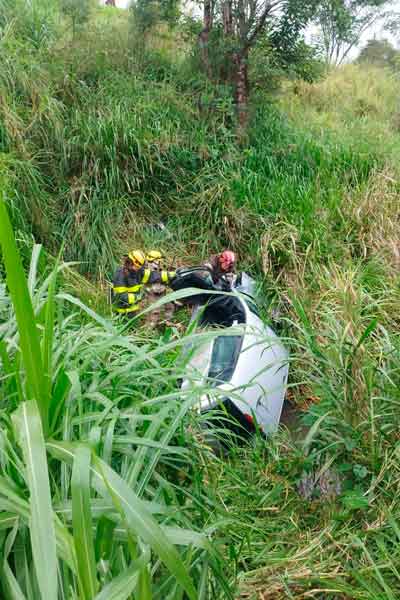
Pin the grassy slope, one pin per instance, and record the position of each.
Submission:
(333, 253)
(312, 207)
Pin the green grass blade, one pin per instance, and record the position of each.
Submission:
(10, 370)
(29, 339)
(76, 302)
(28, 429)
(82, 522)
(121, 587)
(32, 276)
(9, 583)
(144, 585)
(12, 590)
(47, 340)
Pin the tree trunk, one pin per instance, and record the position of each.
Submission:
(204, 36)
(227, 17)
(241, 91)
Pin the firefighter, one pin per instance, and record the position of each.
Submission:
(154, 261)
(130, 279)
(222, 268)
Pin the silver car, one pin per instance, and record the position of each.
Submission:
(245, 366)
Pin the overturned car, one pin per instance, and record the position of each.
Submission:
(244, 364)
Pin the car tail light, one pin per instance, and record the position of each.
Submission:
(249, 419)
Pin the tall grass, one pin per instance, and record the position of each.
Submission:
(89, 454)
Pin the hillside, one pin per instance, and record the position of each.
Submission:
(107, 489)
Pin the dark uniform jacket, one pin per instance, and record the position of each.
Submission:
(127, 288)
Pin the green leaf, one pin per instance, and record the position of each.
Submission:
(28, 334)
(10, 584)
(37, 248)
(354, 500)
(360, 471)
(121, 587)
(103, 322)
(28, 430)
(313, 432)
(48, 335)
(82, 522)
(144, 585)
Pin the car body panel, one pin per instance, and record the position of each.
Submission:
(256, 379)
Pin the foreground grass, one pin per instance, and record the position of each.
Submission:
(92, 439)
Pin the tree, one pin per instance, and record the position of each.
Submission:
(379, 52)
(78, 11)
(342, 23)
(231, 29)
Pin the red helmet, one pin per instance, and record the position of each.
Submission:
(227, 260)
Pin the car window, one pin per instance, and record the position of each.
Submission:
(224, 357)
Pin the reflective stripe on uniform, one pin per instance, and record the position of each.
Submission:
(164, 276)
(123, 290)
(128, 310)
(131, 298)
(146, 275)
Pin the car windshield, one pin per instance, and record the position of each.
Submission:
(223, 311)
(224, 357)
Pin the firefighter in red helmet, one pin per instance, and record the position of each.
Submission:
(223, 267)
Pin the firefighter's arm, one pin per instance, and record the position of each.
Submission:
(164, 277)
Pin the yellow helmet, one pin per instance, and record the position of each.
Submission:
(137, 257)
(154, 255)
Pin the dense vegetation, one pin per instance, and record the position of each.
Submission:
(106, 488)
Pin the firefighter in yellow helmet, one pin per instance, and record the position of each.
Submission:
(130, 279)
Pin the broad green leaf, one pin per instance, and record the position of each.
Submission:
(82, 522)
(28, 429)
(28, 333)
